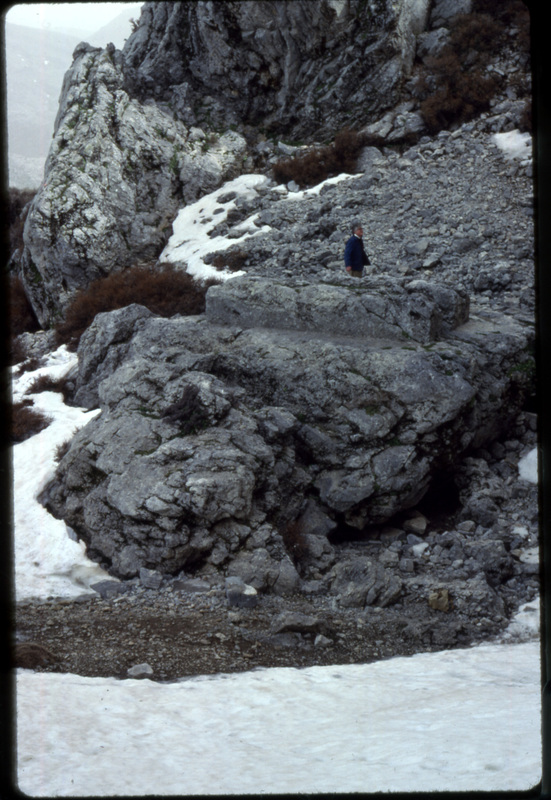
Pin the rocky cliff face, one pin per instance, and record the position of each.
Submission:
(294, 68)
(141, 132)
(114, 181)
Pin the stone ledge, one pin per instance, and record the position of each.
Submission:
(370, 308)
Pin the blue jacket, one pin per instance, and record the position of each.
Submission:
(354, 254)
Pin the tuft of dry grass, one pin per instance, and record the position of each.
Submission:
(62, 450)
(165, 290)
(22, 316)
(45, 383)
(26, 421)
(322, 162)
(234, 260)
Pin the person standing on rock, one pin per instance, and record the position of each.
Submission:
(355, 257)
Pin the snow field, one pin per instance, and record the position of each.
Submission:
(455, 720)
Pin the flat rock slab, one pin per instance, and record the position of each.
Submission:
(372, 308)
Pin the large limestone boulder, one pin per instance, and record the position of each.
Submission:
(211, 438)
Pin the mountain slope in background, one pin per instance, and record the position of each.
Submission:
(36, 61)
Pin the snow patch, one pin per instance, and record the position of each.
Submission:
(190, 241)
(514, 144)
(455, 720)
(528, 466)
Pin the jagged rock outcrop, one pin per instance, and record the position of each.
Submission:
(127, 151)
(117, 172)
(295, 68)
(212, 437)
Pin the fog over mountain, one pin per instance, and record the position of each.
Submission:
(36, 61)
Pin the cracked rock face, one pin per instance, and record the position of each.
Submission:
(295, 67)
(127, 151)
(117, 172)
(212, 438)
(378, 308)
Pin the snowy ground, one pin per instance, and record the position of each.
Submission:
(455, 720)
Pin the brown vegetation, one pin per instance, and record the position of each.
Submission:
(454, 86)
(26, 421)
(458, 96)
(22, 316)
(62, 450)
(164, 290)
(294, 541)
(30, 655)
(323, 162)
(234, 260)
(45, 383)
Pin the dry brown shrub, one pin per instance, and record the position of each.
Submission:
(62, 450)
(45, 383)
(479, 32)
(510, 13)
(322, 162)
(17, 352)
(452, 94)
(26, 421)
(234, 260)
(31, 655)
(165, 291)
(22, 316)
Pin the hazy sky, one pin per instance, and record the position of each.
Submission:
(81, 16)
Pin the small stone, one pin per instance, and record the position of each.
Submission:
(191, 585)
(108, 588)
(140, 671)
(416, 524)
(150, 578)
(439, 600)
(295, 621)
(240, 594)
(322, 641)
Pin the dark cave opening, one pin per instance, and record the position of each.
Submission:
(440, 504)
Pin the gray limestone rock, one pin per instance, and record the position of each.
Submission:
(156, 482)
(362, 582)
(376, 308)
(140, 671)
(239, 594)
(266, 63)
(116, 174)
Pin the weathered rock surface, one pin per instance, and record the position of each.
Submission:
(117, 172)
(211, 437)
(376, 308)
(141, 132)
(285, 66)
